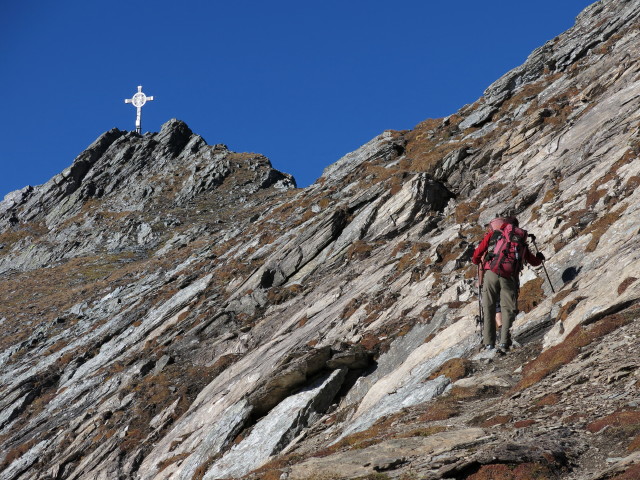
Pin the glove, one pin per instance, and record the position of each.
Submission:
(540, 256)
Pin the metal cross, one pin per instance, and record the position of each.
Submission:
(138, 100)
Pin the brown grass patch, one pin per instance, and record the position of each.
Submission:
(548, 197)
(13, 235)
(557, 246)
(384, 429)
(40, 295)
(454, 369)
(450, 250)
(469, 212)
(308, 214)
(562, 294)
(426, 153)
(594, 195)
(497, 420)
(573, 419)
(568, 307)
(634, 446)
(400, 247)
(278, 295)
(370, 341)
(359, 250)
(17, 452)
(422, 432)
(170, 461)
(381, 302)
(632, 185)
(576, 219)
(374, 434)
(559, 355)
(409, 258)
(551, 194)
(524, 471)
(524, 423)
(548, 400)
(273, 469)
(382, 173)
(632, 473)
(351, 307)
(440, 410)
(474, 230)
(625, 284)
(617, 419)
(176, 381)
(619, 426)
(527, 91)
(600, 227)
(450, 404)
(531, 295)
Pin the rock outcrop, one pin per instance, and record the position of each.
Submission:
(174, 310)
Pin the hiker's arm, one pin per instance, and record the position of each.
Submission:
(481, 249)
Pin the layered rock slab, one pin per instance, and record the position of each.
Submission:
(274, 432)
(390, 453)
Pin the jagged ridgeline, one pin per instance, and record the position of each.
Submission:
(175, 310)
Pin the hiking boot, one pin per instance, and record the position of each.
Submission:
(489, 347)
(503, 347)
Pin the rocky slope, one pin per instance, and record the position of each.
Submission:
(176, 310)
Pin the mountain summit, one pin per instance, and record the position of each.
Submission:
(175, 310)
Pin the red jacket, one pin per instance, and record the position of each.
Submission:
(481, 249)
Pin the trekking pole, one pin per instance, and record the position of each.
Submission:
(533, 240)
(480, 318)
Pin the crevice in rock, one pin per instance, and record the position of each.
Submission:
(534, 331)
(617, 308)
(552, 458)
(268, 276)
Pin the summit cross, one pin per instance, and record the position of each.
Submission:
(138, 100)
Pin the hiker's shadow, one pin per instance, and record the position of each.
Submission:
(570, 274)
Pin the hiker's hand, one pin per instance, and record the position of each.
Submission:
(540, 256)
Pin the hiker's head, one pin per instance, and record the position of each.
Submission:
(512, 220)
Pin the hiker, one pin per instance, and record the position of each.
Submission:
(506, 252)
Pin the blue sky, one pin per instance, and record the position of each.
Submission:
(302, 82)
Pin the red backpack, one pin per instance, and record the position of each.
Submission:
(506, 251)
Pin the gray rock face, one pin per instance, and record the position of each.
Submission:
(362, 462)
(174, 310)
(222, 433)
(594, 26)
(478, 117)
(271, 434)
(122, 171)
(412, 393)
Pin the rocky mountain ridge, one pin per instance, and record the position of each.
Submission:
(177, 310)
